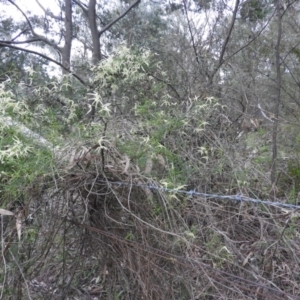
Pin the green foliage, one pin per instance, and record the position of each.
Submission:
(14, 63)
(13, 146)
(31, 234)
(124, 66)
(169, 132)
(293, 196)
(21, 164)
(164, 123)
(203, 4)
(298, 139)
(254, 10)
(146, 27)
(216, 250)
(296, 52)
(294, 173)
(24, 154)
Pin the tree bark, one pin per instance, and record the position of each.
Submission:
(92, 19)
(66, 49)
(91, 15)
(278, 94)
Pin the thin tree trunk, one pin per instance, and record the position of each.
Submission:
(66, 50)
(278, 96)
(96, 34)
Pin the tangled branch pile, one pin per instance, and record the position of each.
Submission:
(102, 234)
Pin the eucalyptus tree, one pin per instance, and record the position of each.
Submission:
(95, 25)
(58, 31)
(13, 62)
(56, 34)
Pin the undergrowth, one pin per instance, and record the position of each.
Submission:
(91, 217)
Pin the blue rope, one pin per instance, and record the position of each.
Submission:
(192, 193)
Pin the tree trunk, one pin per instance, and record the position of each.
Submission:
(278, 95)
(66, 50)
(92, 17)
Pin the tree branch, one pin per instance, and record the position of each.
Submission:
(168, 84)
(32, 40)
(191, 33)
(84, 9)
(45, 57)
(226, 39)
(250, 42)
(119, 17)
(24, 15)
(22, 32)
(48, 13)
(41, 38)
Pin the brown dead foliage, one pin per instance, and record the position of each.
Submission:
(99, 233)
